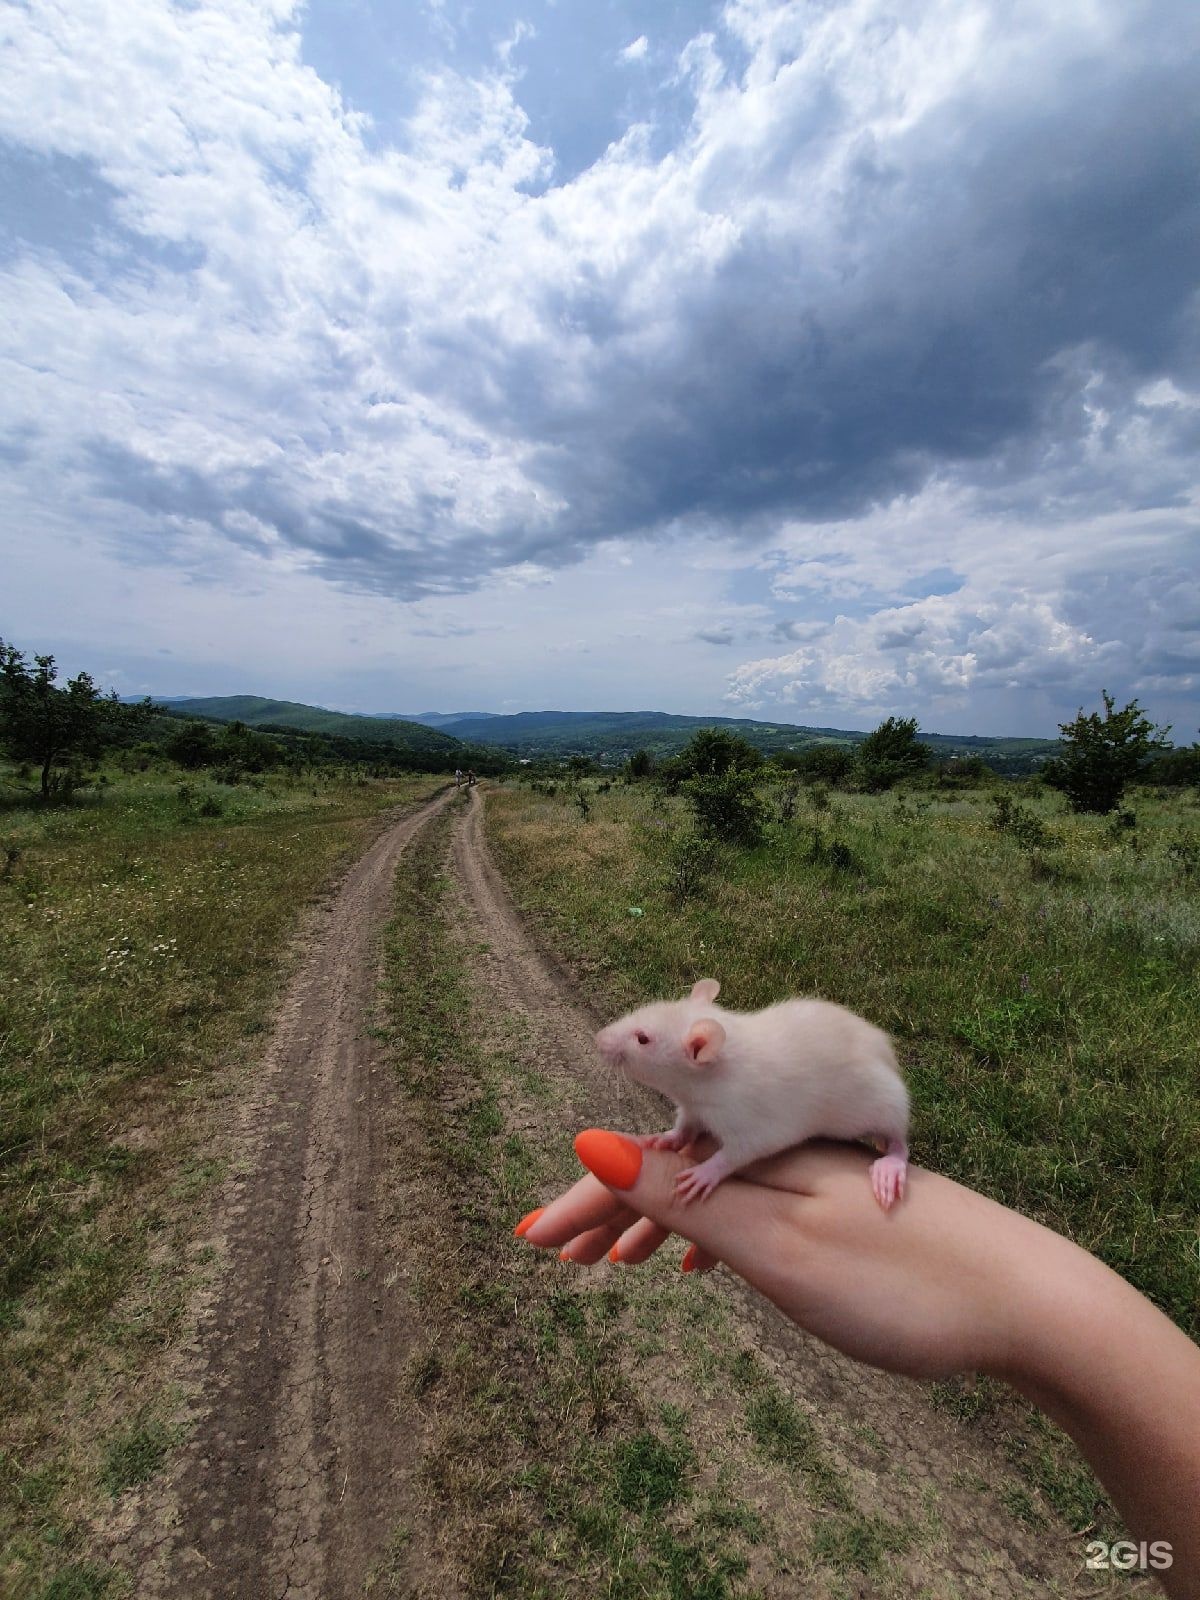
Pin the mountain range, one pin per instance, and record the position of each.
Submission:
(607, 736)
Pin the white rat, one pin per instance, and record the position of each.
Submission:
(762, 1081)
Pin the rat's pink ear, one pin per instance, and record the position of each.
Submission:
(706, 991)
(703, 1041)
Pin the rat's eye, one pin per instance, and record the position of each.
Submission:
(642, 1038)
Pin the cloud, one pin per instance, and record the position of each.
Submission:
(723, 636)
(899, 296)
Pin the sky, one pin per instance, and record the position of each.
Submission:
(812, 361)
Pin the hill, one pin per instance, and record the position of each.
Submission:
(258, 712)
(612, 736)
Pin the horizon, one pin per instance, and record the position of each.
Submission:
(814, 364)
(597, 712)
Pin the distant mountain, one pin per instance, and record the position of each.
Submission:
(434, 719)
(258, 712)
(612, 736)
(607, 736)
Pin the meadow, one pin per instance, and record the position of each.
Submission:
(1037, 970)
(144, 933)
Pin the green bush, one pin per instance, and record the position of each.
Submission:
(728, 808)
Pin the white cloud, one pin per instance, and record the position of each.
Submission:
(294, 350)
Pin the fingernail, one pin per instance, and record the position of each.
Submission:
(614, 1159)
(688, 1264)
(527, 1222)
(615, 1253)
(564, 1255)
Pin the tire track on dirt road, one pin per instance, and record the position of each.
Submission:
(906, 1459)
(288, 1481)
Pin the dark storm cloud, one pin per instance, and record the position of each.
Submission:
(978, 250)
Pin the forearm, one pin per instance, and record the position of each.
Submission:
(1124, 1382)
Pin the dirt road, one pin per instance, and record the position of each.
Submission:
(286, 1480)
(293, 1467)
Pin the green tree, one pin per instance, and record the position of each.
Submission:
(890, 752)
(192, 745)
(712, 752)
(641, 764)
(1102, 754)
(58, 729)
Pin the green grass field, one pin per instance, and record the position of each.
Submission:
(1043, 991)
(143, 937)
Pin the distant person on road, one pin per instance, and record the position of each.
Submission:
(471, 778)
(458, 777)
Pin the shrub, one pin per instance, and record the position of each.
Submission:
(728, 807)
(1102, 755)
(834, 853)
(690, 859)
(890, 752)
(1018, 821)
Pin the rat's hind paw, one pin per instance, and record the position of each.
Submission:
(888, 1176)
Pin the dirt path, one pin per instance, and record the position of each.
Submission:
(288, 1475)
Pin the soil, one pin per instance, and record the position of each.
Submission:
(294, 1468)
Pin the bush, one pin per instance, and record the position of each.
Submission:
(1102, 755)
(728, 808)
(1018, 821)
(690, 859)
(834, 853)
(888, 753)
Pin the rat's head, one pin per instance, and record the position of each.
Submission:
(664, 1045)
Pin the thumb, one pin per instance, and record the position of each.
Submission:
(728, 1224)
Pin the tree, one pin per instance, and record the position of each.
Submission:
(192, 745)
(1102, 754)
(712, 752)
(641, 764)
(890, 752)
(57, 729)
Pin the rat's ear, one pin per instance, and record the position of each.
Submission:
(703, 1040)
(706, 991)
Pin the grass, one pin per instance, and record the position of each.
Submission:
(1043, 1001)
(143, 937)
(1039, 978)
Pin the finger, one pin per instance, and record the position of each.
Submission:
(638, 1244)
(742, 1224)
(592, 1246)
(586, 1204)
(697, 1260)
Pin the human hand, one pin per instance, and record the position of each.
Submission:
(927, 1289)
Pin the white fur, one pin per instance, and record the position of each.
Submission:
(803, 1069)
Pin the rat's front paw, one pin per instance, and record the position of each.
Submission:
(697, 1183)
(673, 1139)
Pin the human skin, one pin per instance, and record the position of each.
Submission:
(946, 1282)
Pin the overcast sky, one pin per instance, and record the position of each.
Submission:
(816, 361)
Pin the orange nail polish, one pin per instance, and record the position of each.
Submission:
(564, 1255)
(527, 1222)
(688, 1264)
(614, 1159)
(614, 1254)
